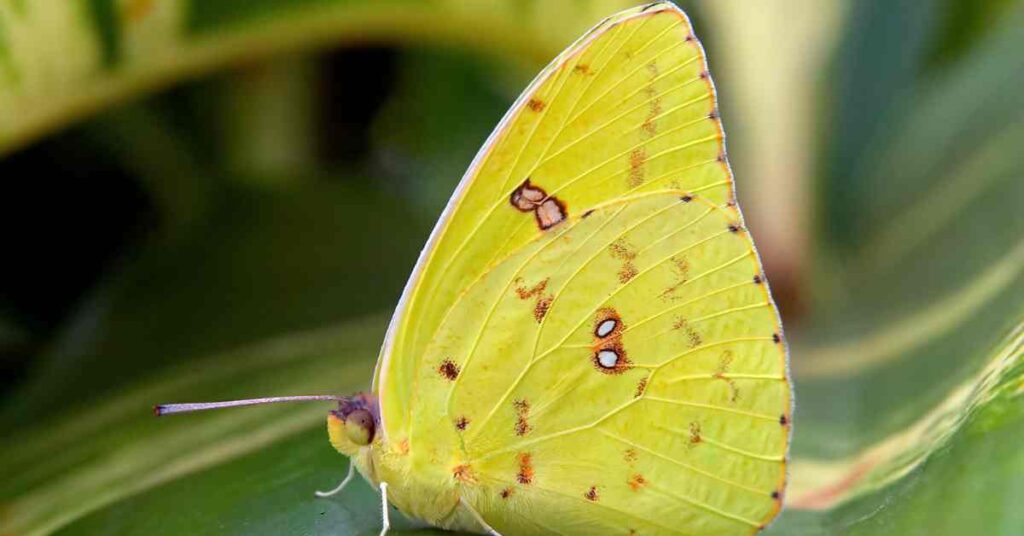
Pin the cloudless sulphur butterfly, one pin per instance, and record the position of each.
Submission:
(587, 344)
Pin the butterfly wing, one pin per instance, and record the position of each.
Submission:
(624, 372)
(628, 108)
(588, 321)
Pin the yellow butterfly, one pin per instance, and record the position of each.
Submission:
(587, 344)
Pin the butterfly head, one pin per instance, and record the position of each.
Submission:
(354, 424)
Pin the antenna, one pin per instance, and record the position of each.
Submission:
(188, 407)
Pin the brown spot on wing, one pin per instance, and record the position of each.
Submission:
(543, 303)
(461, 423)
(541, 308)
(621, 250)
(681, 266)
(637, 171)
(448, 369)
(522, 408)
(536, 104)
(507, 492)
(525, 475)
(627, 272)
(582, 68)
(724, 360)
(629, 455)
(649, 128)
(527, 293)
(641, 386)
(695, 433)
(693, 337)
(591, 494)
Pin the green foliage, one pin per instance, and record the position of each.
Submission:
(908, 365)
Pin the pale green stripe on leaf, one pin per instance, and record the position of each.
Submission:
(935, 319)
(824, 484)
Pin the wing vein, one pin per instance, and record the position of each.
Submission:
(702, 472)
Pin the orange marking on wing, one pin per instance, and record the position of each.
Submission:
(464, 473)
(622, 251)
(724, 360)
(636, 482)
(682, 268)
(695, 433)
(525, 475)
(527, 293)
(637, 163)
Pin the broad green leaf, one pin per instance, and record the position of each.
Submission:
(81, 458)
(918, 303)
(60, 61)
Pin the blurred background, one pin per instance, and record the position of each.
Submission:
(207, 200)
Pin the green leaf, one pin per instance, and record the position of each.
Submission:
(84, 458)
(60, 61)
(261, 263)
(919, 300)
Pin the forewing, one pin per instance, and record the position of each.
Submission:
(627, 109)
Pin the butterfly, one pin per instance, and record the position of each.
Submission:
(587, 344)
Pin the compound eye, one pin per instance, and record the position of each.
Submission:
(359, 427)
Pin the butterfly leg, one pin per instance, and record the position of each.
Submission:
(478, 518)
(384, 508)
(348, 478)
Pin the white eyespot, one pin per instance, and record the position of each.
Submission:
(606, 327)
(607, 358)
